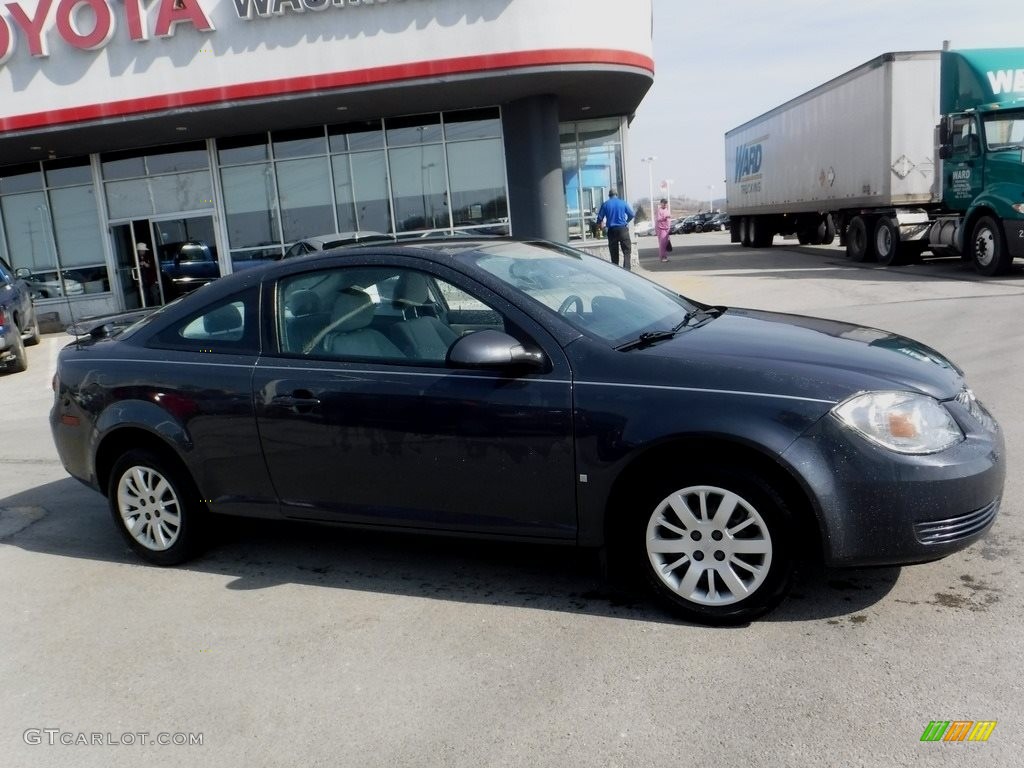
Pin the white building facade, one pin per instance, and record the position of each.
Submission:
(222, 131)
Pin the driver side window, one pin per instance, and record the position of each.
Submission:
(379, 314)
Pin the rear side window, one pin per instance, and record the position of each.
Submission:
(228, 326)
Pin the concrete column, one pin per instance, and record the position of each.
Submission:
(533, 160)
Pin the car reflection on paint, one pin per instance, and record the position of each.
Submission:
(528, 391)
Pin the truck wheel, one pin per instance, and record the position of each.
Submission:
(829, 235)
(745, 231)
(887, 242)
(859, 246)
(987, 249)
(760, 235)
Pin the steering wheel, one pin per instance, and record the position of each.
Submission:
(571, 300)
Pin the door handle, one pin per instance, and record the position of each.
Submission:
(301, 401)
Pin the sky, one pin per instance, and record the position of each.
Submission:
(719, 64)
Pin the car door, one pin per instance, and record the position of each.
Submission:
(357, 428)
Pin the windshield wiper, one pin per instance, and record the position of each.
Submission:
(650, 337)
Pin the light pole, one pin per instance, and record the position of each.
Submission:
(650, 183)
(711, 198)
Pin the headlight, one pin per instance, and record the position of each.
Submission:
(900, 421)
(1018, 207)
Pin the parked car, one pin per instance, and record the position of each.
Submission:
(334, 240)
(528, 391)
(644, 228)
(187, 265)
(721, 221)
(705, 222)
(19, 325)
(52, 287)
(686, 226)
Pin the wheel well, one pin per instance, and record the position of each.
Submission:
(664, 457)
(972, 220)
(117, 443)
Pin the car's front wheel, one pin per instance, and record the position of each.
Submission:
(716, 545)
(155, 507)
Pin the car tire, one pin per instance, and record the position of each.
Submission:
(715, 544)
(19, 357)
(887, 242)
(156, 507)
(33, 336)
(987, 249)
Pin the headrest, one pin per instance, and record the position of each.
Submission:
(304, 302)
(226, 318)
(353, 309)
(412, 288)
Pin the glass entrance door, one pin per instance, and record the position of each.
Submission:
(159, 259)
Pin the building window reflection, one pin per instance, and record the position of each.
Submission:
(591, 165)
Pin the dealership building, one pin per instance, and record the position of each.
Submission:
(225, 130)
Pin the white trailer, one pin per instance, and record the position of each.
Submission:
(863, 141)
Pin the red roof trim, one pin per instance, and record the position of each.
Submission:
(372, 76)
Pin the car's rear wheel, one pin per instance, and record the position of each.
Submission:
(155, 507)
(33, 336)
(19, 357)
(716, 545)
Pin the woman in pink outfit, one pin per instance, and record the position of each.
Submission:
(662, 223)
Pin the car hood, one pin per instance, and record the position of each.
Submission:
(750, 350)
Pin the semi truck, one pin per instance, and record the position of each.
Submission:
(911, 152)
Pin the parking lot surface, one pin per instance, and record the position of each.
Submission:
(301, 645)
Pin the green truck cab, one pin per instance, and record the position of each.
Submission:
(981, 145)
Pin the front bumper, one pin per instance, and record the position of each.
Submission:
(1014, 234)
(877, 507)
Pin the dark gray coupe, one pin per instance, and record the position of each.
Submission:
(527, 391)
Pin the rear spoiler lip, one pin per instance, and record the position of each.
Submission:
(101, 326)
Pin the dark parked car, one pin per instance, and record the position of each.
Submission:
(705, 222)
(528, 391)
(317, 243)
(721, 221)
(187, 265)
(683, 226)
(18, 323)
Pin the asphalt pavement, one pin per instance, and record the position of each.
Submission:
(310, 646)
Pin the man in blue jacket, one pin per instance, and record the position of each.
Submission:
(618, 214)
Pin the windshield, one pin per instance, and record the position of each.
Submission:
(595, 296)
(1004, 130)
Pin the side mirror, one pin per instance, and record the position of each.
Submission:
(945, 152)
(494, 349)
(944, 132)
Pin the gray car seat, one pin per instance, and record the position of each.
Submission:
(306, 320)
(350, 336)
(421, 336)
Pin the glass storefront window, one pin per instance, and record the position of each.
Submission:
(250, 203)
(299, 143)
(28, 233)
(356, 136)
(20, 178)
(476, 171)
(243, 149)
(591, 165)
(77, 226)
(190, 157)
(418, 186)
(361, 191)
(66, 174)
(416, 129)
(304, 187)
(135, 198)
(472, 124)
